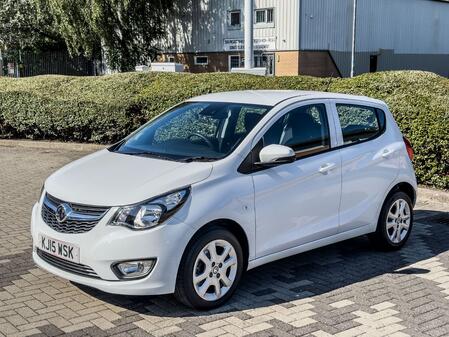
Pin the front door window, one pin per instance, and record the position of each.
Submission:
(304, 129)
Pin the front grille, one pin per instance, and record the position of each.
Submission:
(67, 266)
(80, 218)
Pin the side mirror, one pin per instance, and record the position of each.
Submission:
(273, 155)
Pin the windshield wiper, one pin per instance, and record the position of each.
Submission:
(149, 154)
(161, 156)
(198, 158)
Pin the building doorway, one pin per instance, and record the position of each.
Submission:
(373, 63)
(260, 61)
(265, 60)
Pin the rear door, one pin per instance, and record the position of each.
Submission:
(369, 162)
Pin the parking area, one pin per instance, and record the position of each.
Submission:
(347, 289)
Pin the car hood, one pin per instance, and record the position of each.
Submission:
(106, 178)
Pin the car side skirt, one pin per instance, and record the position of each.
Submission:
(311, 245)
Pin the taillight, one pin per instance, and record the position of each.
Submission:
(409, 148)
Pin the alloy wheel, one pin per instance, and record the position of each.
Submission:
(215, 270)
(398, 221)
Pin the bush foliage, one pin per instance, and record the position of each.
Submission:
(105, 109)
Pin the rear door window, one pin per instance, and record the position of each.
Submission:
(360, 123)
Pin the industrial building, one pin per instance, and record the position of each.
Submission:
(311, 37)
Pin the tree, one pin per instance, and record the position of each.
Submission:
(25, 24)
(73, 20)
(126, 31)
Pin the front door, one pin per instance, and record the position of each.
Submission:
(298, 203)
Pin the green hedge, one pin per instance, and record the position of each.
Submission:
(104, 109)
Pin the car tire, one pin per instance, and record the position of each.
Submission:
(202, 271)
(395, 222)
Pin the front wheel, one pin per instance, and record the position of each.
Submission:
(395, 222)
(210, 270)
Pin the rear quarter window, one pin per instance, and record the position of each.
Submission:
(360, 123)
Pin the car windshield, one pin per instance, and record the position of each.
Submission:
(194, 131)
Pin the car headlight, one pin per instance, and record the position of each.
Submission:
(150, 213)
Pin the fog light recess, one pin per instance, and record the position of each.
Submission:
(133, 269)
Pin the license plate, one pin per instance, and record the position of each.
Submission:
(61, 249)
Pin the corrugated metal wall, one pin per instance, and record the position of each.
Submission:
(404, 34)
(407, 26)
(202, 25)
(326, 24)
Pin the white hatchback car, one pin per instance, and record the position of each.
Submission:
(223, 183)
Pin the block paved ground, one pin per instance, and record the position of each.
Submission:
(347, 289)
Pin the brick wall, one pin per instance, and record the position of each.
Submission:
(217, 61)
(317, 63)
(287, 63)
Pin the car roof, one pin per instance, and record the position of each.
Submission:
(273, 97)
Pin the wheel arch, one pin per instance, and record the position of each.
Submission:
(235, 228)
(405, 187)
(379, 236)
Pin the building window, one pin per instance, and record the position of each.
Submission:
(234, 19)
(260, 16)
(270, 18)
(171, 59)
(235, 61)
(201, 60)
(264, 16)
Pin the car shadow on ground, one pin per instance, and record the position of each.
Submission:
(310, 274)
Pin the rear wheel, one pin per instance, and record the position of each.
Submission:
(395, 222)
(210, 270)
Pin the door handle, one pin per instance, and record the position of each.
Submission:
(324, 169)
(387, 153)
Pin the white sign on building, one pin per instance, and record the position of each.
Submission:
(264, 43)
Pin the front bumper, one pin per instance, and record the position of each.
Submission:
(105, 245)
